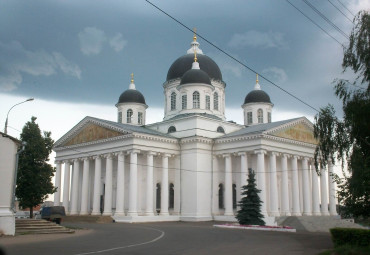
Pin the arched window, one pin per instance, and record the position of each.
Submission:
(196, 100)
(221, 196)
(171, 192)
(173, 101)
(120, 117)
(158, 197)
(208, 102)
(129, 115)
(171, 129)
(140, 118)
(215, 101)
(220, 129)
(234, 196)
(260, 115)
(249, 118)
(184, 101)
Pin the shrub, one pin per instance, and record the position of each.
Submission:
(350, 236)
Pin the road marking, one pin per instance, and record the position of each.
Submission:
(128, 246)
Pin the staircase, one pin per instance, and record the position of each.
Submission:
(32, 226)
(315, 223)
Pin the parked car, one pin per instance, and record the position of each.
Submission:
(53, 213)
(22, 215)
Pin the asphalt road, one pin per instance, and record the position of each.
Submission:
(169, 238)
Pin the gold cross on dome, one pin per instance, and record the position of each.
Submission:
(132, 77)
(195, 34)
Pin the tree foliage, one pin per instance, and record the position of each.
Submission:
(250, 204)
(34, 173)
(347, 139)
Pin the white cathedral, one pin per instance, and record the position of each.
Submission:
(190, 166)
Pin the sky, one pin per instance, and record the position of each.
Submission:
(75, 57)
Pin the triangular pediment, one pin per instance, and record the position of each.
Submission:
(90, 133)
(298, 131)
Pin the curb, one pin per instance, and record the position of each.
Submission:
(258, 228)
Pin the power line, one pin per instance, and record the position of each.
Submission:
(315, 23)
(326, 19)
(340, 10)
(227, 54)
(346, 8)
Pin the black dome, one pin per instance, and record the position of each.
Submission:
(184, 63)
(257, 96)
(195, 76)
(131, 96)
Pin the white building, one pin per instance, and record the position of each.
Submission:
(8, 153)
(190, 166)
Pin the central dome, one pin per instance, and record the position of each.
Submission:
(184, 63)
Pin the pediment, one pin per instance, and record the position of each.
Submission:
(298, 132)
(91, 132)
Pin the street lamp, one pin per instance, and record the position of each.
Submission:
(6, 122)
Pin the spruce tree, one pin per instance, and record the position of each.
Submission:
(34, 172)
(250, 204)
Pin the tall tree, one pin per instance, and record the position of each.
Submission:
(34, 173)
(250, 204)
(347, 139)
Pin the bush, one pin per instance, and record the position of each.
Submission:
(350, 236)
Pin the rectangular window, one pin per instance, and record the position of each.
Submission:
(184, 102)
(208, 102)
(269, 117)
(215, 101)
(249, 118)
(120, 117)
(196, 100)
(140, 118)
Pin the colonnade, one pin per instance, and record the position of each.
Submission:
(75, 205)
(293, 189)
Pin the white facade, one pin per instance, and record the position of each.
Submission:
(192, 165)
(8, 151)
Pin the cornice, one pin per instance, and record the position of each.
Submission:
(197, 140)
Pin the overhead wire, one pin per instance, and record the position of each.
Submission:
(315, 23)
(340, 11)
(235, 59)
(345, 7)
(326, 19)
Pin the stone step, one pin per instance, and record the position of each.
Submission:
(32, 226)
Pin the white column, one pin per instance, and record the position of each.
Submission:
(132, 206)
(120, 185)
(164, 190)
(67, 172)
(332, 204)
(274, 208)
(285, 210)
(243, 172)
(295, 187)
(215, 183)
(261, 180)
(57, 185)
(228, 186)
(315, 192)
(85, 187)
(97, 182)
(108, 185)
(306, 188)
(74, 195)
(149, 184)
(324, 192)
(177, 198)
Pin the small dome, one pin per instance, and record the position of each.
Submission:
(257, 96)
(195, 76)
(131, 96)
(184, 63)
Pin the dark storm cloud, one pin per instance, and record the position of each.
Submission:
(84, 51)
